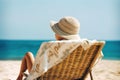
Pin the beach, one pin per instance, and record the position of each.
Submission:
(104, 70)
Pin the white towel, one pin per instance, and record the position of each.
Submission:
(52, 53)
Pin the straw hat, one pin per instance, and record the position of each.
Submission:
(68, 27)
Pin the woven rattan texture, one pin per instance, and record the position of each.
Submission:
(75, 66)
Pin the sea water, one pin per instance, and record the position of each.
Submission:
(16, 49)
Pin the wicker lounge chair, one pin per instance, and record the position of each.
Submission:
(77, 65)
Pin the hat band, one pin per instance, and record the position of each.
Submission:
(57, 29)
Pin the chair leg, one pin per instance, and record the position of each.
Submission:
(91, 75)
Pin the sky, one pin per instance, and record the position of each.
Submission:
(30, 19)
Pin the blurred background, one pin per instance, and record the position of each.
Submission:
(24, 24)
(29, 19)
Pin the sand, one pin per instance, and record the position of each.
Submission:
(104, 70)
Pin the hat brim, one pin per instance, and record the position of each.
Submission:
(57, 30)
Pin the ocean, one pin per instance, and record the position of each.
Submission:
(16, 49)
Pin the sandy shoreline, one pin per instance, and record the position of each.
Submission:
(104, 70)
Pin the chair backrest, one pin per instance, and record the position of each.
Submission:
(77, 64)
